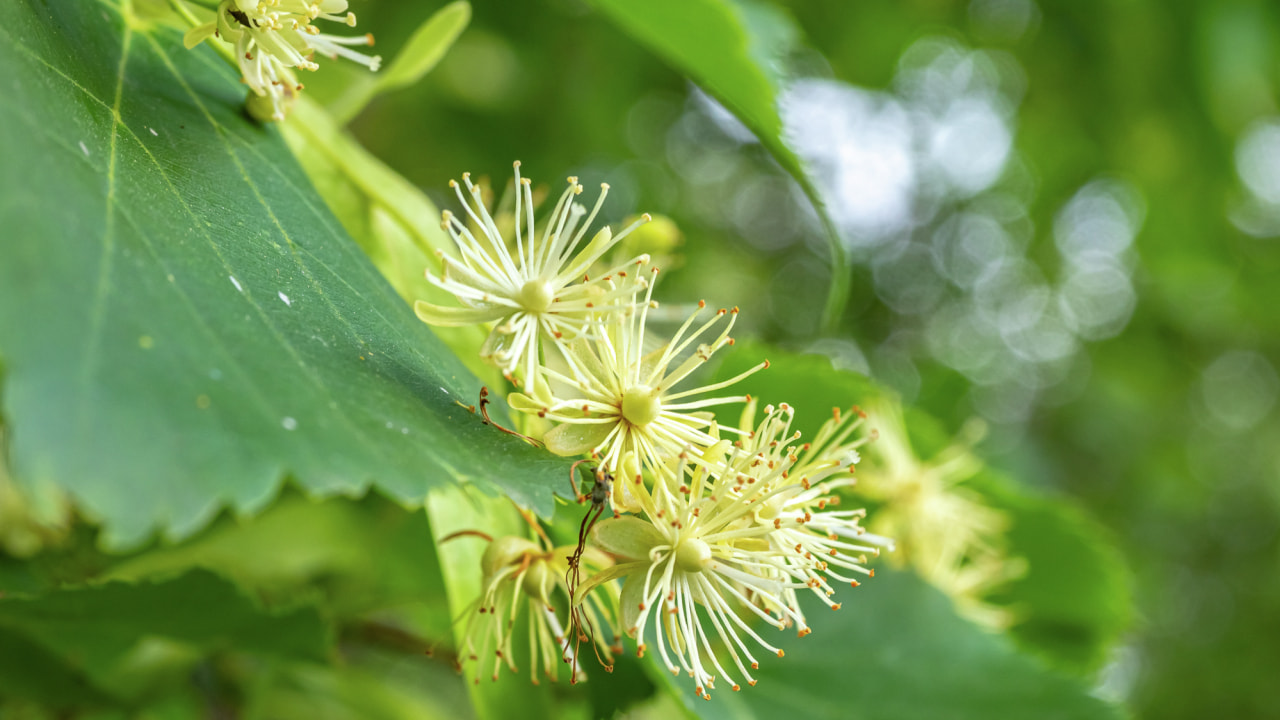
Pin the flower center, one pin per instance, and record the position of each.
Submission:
(535, 296)
(693, 555)
(641, 405)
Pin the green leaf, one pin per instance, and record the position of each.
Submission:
(394, 222)
(419, 55)
(182, 320)
(426, 47)
(1074, 601)
(807, 382)
(391, 690)
(32, 672)
(91, 629)
(897, 651)
(732, 50)
(300, 547)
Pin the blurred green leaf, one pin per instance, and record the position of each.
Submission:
(302, 547)
(91, 629)
(426, 47)
(1075, 599)
(419, 55)
(388, 691)
(182, 320)
(807, 382)
(32, 672)
(897, 651)
(732, 50)
(616, 692)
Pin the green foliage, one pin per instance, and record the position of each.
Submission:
(734, 52)
(206, 326)
(103, 633)
(422, 52)
(197, 311)
(29, 671)
(395, 224)
(1072, 603)
(380, 690)
(897, 651)
(305, 548)
(807, 382)
(1074, 600)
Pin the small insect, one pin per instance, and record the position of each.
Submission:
(240, 18)
(601, 491)
(579, 625)
(484, 417)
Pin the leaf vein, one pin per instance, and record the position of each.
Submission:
(284, 342)
(98, 306)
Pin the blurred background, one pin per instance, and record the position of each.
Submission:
(1063, 220)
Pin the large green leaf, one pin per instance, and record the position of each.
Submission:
(733, 51)
(897, 651)
(91, 629)
(182, 320)
(394, 222)
(31, 672)
(389, 690)
(301, 547)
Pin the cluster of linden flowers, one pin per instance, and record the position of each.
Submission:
(944, 529)
(716, 531)
(273, 37)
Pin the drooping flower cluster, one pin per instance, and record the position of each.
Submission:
(523, 575)
(272, 38)
(734, 537)
(726, 527)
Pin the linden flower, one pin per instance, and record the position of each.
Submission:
(623, 406)
(947, 531)
(518, 574)
(793, 489)
(272, 37)
(537, 290)
(700, 553)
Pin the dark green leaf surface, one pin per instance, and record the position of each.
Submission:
(393, 221)
(182, 320)
(807, 382)
(1074, 601)
(897, 651)
(357, 555)
(90, 629)
(732, 51)
(31, 672)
